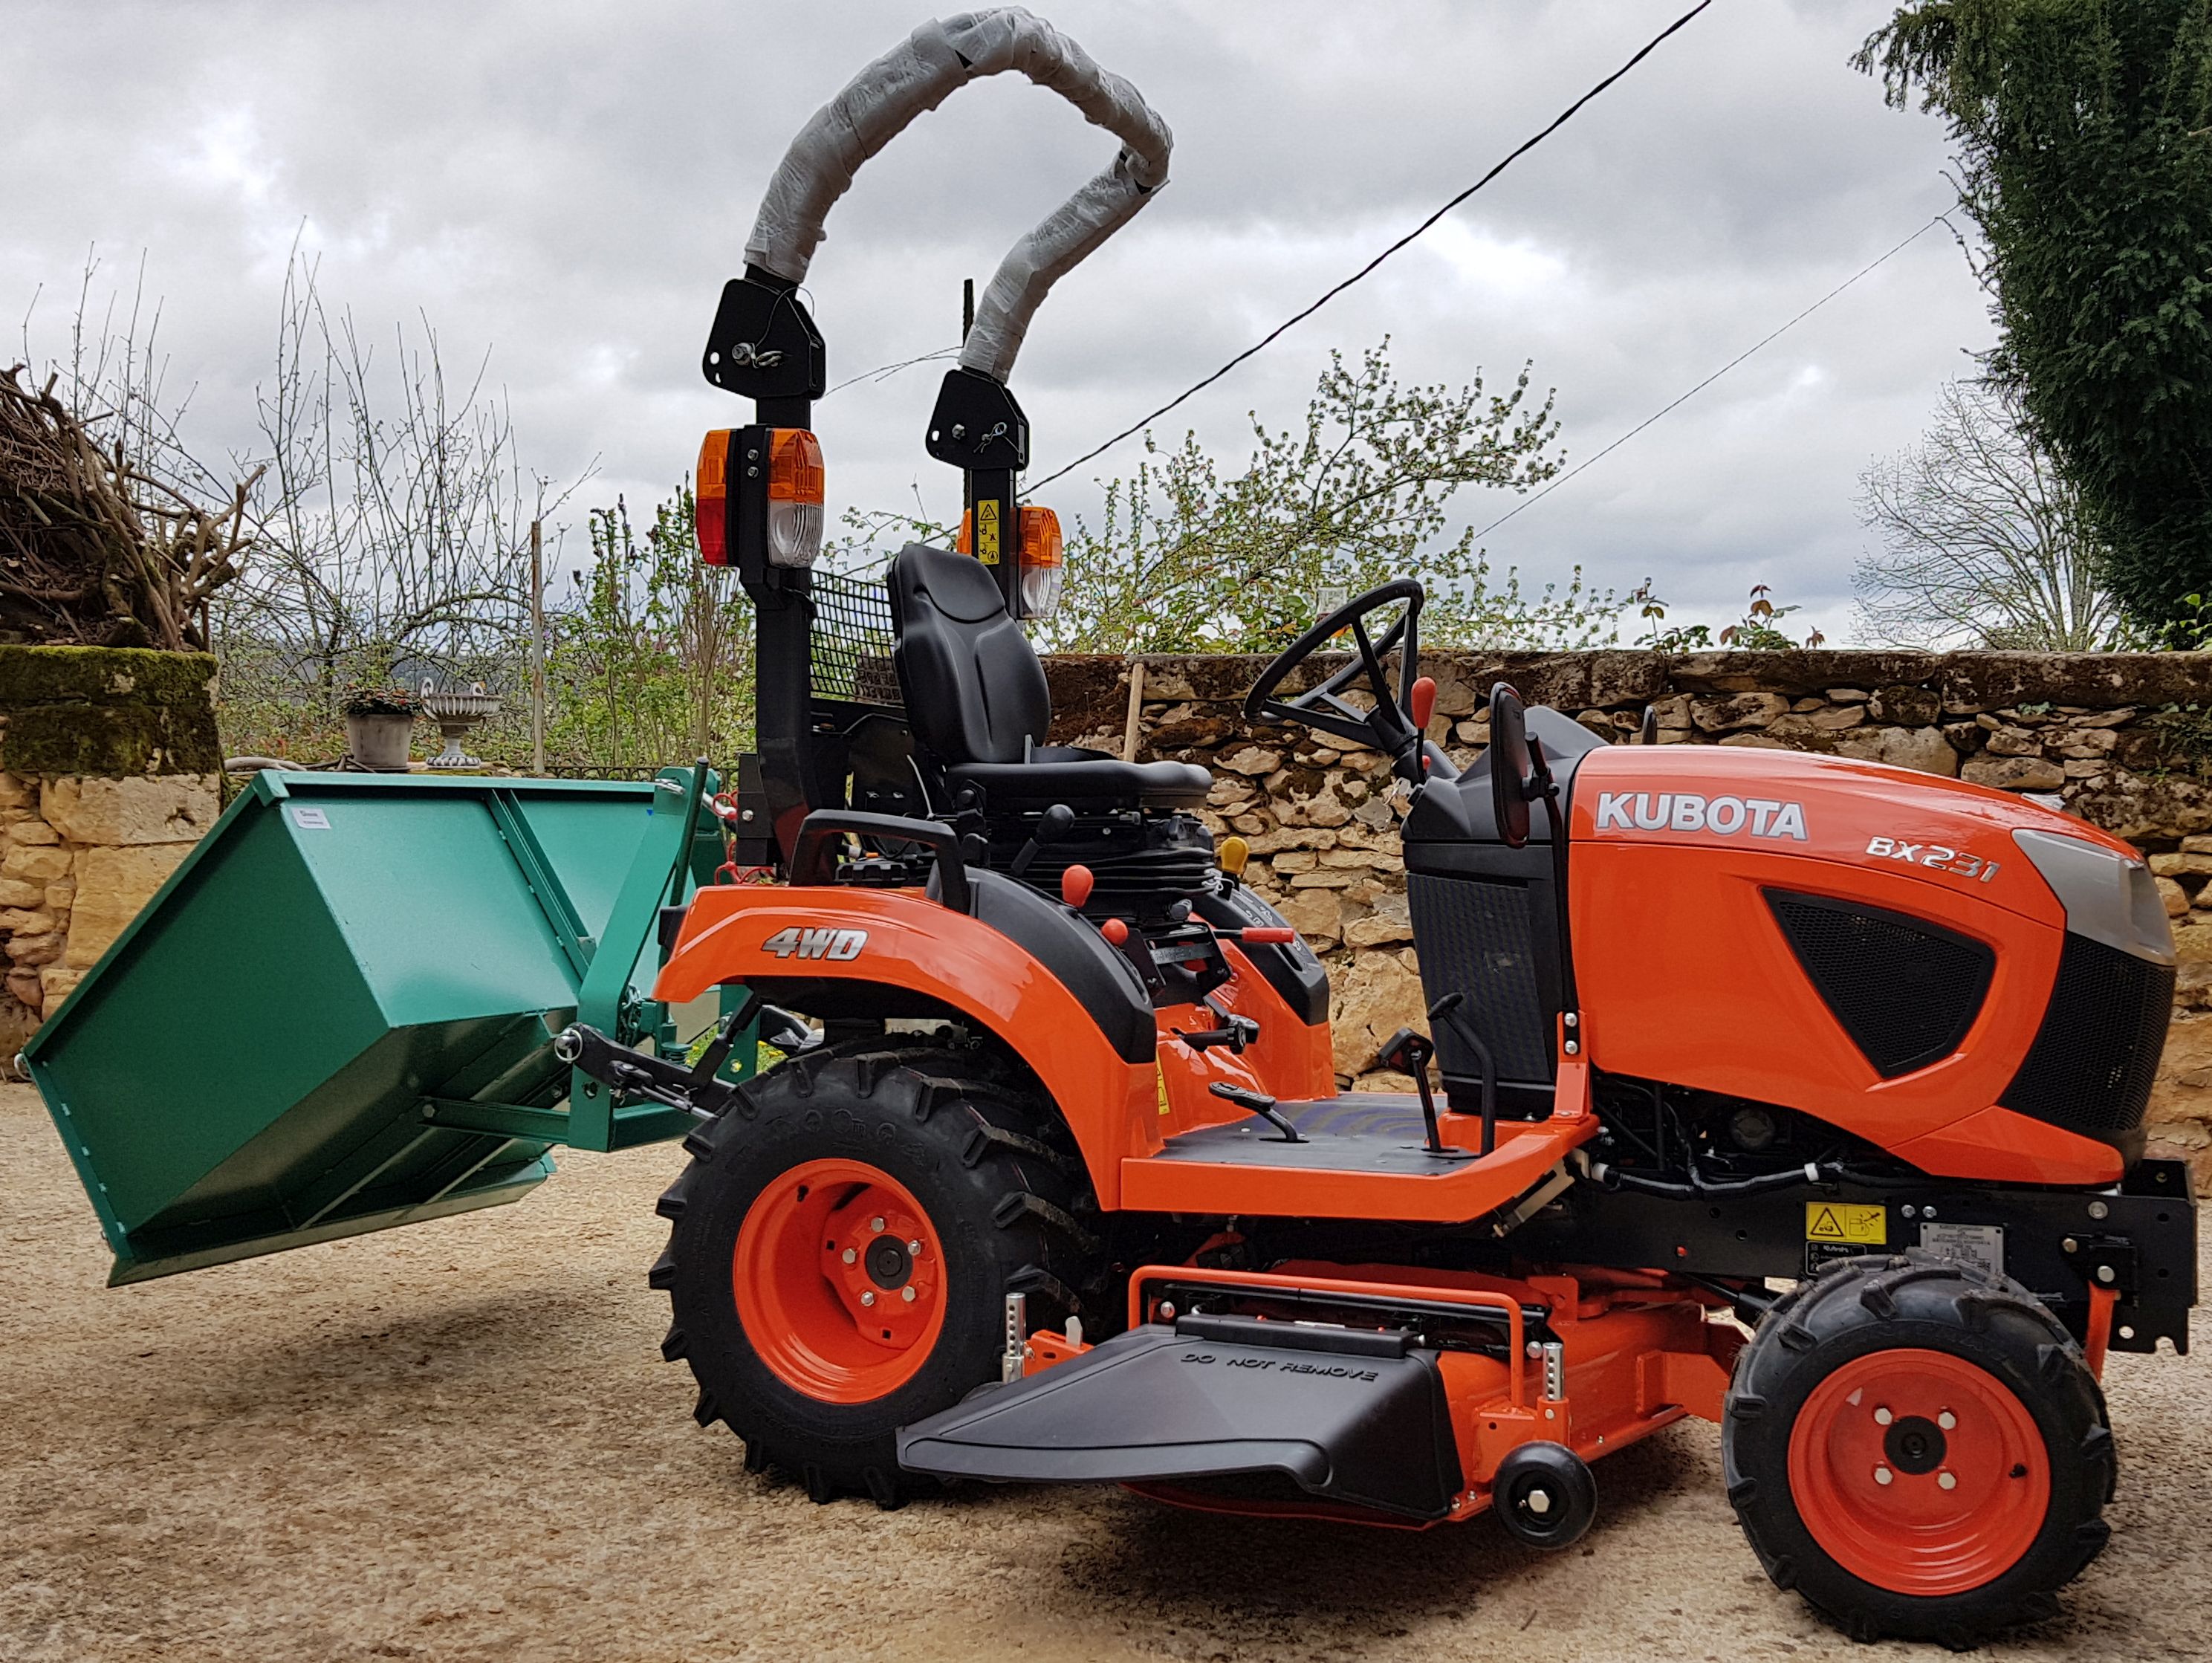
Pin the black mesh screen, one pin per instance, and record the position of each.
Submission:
(1906, 990)
(2091, 1066)
(851, 646)
(1478, 940)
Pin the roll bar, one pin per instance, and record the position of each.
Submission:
(918, 75)
(763, 346)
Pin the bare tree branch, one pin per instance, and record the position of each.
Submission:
(1984, 544)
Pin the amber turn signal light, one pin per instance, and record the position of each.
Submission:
(795, 489)
(711, 498)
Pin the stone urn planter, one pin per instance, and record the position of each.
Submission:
(456, 712)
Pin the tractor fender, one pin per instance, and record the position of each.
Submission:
(1028, 970)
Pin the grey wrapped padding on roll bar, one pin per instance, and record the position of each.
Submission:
(937, 58)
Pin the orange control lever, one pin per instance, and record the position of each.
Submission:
(1075, 885)
(1422, 701)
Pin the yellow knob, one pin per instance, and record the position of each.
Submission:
(1235, 852)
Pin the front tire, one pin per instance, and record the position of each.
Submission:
(1918, 1450)
(841, 1248)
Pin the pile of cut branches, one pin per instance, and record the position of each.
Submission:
(94, 548)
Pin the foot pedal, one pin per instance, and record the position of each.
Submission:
(1351, 1416)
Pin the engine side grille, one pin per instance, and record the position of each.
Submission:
(2091, 1066)
(1906, 990)
(1479, 939)
(1141, 865)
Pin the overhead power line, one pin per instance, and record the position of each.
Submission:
(885, 371)
(1767, 340)
(1297, 318)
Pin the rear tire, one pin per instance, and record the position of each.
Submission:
(814, 1359)
(1918, 1450)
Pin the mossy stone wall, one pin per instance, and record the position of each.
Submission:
(107, 712)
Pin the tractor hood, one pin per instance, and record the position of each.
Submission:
(1947, 833)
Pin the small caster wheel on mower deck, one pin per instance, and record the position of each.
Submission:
(1544, 1495)
(840, 1251)
(1917, 1448)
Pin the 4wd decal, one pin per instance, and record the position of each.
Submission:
(837, 945)
(1645, 810)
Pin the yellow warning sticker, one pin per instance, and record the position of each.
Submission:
(1835, 1221)
(1160, 1079)
(987, 531)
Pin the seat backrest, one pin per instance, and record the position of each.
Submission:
(975, 691)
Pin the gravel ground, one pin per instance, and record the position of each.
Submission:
(458, 1441)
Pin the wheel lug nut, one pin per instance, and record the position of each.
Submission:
(907, 1293)
(1946, 1420)
(876, 1225)
(849, 1256)
(1882, 1418)
(1948, 1480)
(868, 1298)
(1883, 1475)
(914, 1247)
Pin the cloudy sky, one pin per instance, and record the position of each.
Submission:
(565, 185)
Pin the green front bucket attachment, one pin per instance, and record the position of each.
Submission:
(337, 1016)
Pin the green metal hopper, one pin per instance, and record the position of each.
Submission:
(336, 1014)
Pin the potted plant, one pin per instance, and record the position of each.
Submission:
(378, 721)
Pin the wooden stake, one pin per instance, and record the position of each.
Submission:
(1136, 710)
(537, 648)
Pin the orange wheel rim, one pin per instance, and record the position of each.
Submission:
(840, 1281)
(1919, 1472)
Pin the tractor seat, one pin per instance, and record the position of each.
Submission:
(977, 702)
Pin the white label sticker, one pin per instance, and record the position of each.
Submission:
(1980, 1245)
(307, 819)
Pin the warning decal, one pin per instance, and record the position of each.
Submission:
(1160, 1079)
(987, 531)
(1837, 1221)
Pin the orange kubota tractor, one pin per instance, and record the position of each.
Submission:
(1056, 1183)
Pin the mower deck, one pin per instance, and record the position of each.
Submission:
(1362, 1154)
(1366, 1395)
(1360, 1419)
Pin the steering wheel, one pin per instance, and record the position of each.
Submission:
(1390, 724)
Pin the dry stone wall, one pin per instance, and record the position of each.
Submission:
(109, 773)
(2123, 740)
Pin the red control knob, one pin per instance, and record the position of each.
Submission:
(1075, 885)
(1422, 699)
(1115, 931)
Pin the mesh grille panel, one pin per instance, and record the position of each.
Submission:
(1478, 940)
(850, 650)
(1906, 990)
(2091, 1066)
(1122, 878)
